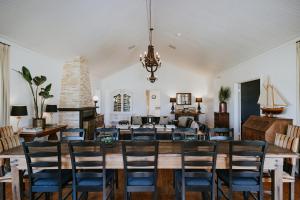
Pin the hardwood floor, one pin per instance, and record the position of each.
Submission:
(166, 191)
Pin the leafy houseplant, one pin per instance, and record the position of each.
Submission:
(40, 95)
(224, 96)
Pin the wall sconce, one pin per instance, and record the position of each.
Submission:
(95, 99)
(199, 100)
(172, 100)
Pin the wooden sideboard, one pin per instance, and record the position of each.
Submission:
(182, 113)
(264, 128)
(221, 120)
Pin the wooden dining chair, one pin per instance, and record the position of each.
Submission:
(294, 131)
(72, 134)
(197, 154)
(40, 155)
(84, 156)
(289, 167)
(140, 167)
(143, 134)
(243, 154)
(221, 134)
(184, 134)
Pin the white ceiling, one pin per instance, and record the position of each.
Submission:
(214, 34)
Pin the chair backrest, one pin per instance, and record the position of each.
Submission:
(86, 155)
(247, 153)
(221, 138)
(221, 132)
(184, 134)
(102, 133)
(140, 154)
(6, 131)
(293, 131)
(42, 155)
(199, 154)
(72, 134)
(143, 134)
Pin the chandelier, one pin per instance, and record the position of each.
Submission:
(150, 61)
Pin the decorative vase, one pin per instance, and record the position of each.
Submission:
(38, 122)
(223, 107)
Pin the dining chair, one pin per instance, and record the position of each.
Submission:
(72, 134)
(289, 167)
(89, 171)
(41, 155)
(104, 133)
(184, 134)
(246, 153)
(221, 138)
(229, 132)
(140, 167)
(143, 134)
(197, 154)
(294, 131)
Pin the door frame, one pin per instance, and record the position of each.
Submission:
(237, 105)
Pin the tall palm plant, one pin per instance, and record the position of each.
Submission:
(39, 94)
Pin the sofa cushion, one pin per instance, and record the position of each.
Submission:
(183, 120)
(164, 120)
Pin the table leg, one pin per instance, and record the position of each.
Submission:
(277, 185)
(16, 180)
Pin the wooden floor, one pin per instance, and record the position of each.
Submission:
(166, 191)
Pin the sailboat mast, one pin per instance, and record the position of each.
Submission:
(273, 102)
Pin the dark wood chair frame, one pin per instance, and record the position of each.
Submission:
(233, 163)
(143, 134)
(190, 150)
(80, 137)
(81, 168)
(184, 133)
(137, 167)
(45, 145)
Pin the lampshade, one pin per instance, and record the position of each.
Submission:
(199, 100)
(18, 111)
(172, 100)
(51, 108)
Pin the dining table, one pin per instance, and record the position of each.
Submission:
(169, 157)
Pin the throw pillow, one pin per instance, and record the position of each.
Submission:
(194, 124)
(136, 120)
(164, 120)
(189, 121)
(182, 121)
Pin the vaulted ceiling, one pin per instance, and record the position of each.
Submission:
(208, 35)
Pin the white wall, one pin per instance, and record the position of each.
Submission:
(171, 79)
(279, 65)
(38, 65)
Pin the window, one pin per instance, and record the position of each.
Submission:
(122, 101)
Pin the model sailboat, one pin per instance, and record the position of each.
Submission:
(271, 103)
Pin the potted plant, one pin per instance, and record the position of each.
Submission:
(224, 96)
(39, 94)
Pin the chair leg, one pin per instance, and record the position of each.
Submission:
(212, 192)
(291, 191)
(205, 195)
(219, 188)
(230, 193)
(2, 191)
(182, 192)
(74, 194)
(155, 195)
(117, 179)
(246, 195)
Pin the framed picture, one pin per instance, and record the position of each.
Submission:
(153, 96)
(183, 98)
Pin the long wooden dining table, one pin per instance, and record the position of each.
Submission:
(169, 158)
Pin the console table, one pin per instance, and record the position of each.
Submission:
(48, 131)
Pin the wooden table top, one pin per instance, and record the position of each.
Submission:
(165, 147)
(45, 131)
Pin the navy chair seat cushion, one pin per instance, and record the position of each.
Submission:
(66, 176)
(141, 181)
(223, 174)
(189, 181)
(94, 181)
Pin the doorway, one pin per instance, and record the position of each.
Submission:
(249, 96)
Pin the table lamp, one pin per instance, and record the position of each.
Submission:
(18, 112)
(172, 100)
(51, 109)
(199, 100)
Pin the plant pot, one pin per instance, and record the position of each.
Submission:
(223, 107)
(38, 122)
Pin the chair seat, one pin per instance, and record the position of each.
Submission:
(243, 181)
(189, 181)
(66, 176)
(140, 181)
(94, 181)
